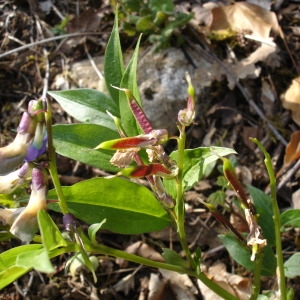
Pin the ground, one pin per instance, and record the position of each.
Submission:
(227, 119)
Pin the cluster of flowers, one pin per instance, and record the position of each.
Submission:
(29, 143)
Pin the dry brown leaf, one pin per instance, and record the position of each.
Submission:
(234, 284)
(243, 16)
(292, 150)
(141, 249)
(88, 21)
(291, 99)
(268, 97)
(207, 72)
(156, 287)
(181, 285)
(125, 284)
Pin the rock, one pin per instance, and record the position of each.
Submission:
(161, 81)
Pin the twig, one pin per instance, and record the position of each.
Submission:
(44, 41)
(289, 174)
(47, 72)
(203, 50)
(247, 96)
(98, 72)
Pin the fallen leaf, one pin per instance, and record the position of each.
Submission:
(234, 284)
(291, 99)
(88, 21)
(243, 17)
(125, 284)
(156, 287)
(181, 285)
(268, 97)
(292, 150)
(141, 249)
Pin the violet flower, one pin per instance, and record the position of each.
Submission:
(39, 144)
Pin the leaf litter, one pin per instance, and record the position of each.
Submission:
(262, 54)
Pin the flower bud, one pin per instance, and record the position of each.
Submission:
(70, 222)
(154, 138)
(230, 175)
(39, 144)
(146, 170)
(186, 116)
(137, 111)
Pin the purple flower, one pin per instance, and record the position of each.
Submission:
(39, 144)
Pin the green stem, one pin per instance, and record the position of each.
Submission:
(276, 219)
(180, 200)
(101, 249)
(257, 272)
(52, 161)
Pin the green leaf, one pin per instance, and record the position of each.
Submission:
(159, 5)
(37, 259)
(93, 229)
(263, 207)
(292, 266)
(173, 258)
(291, 218)
(51, 236)
(128, 208)
(217, 198)
(145, 24)
(87, 106)
(113, 62)
(77, 141)
(9, 271)
(129, 81)
(196, 161)
(262, 297)
(241, 254)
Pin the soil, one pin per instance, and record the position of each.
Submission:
(222, 112)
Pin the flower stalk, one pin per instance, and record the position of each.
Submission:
(276, 219)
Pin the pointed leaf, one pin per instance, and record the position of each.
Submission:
(37, 259)
(128, 208)
(87, 106)
(113, 63)
(242, 254)
(173, 258)
(129, 82)
(51, 236)
(196, 161)
(158, 5)
(263, 207)
(9, 272)
(93, 229)
(77, 141)
(292, 266)
(291, 218)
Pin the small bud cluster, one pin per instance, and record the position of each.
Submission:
(159, 164)
(29, 143)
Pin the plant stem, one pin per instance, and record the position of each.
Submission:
(276, 219)
(101, 249)
(180, 199)
(52, 161)
(257, 272)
